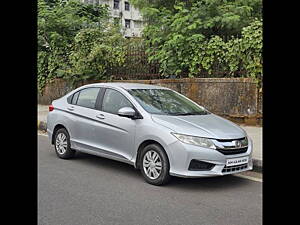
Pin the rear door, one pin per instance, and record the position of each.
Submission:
(83, 110)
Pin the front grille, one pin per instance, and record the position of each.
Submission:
(197, 165)
(232, 151)
(228, 169)
(232, 146)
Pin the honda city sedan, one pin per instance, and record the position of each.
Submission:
(153, 128)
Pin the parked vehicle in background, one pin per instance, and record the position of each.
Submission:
(153, 128)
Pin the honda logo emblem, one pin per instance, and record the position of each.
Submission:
(237, 144)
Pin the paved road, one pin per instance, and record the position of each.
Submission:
(90, 190)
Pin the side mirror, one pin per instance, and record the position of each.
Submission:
(127, 112)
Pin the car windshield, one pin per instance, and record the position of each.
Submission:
(166, 102)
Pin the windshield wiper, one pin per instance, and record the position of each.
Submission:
(184, 114)
(190, 113)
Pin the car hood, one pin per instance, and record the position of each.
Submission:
(209, 126)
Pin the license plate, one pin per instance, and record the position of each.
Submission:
(237, 161)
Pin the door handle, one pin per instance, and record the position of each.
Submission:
(71, 108)
(100, 116)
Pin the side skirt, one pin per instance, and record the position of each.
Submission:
(102, 153)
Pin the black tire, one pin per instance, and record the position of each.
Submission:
(164, 175)
(68, 153)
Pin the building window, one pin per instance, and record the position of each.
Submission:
(127, 6)
(127, 23)
(116, 4)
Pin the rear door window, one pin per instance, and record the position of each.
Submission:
(86, 97)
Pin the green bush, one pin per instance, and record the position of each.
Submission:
(76, 41)
(211, 37)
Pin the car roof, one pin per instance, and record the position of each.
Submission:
(126, 85)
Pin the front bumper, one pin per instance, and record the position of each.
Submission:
(181, 155)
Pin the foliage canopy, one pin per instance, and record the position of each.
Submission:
(76, 41)
(209, 36)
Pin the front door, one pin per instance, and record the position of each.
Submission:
(115, 134)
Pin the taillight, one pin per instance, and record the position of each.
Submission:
(51, 108)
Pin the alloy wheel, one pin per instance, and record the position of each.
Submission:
(152, 164)
(61, 143)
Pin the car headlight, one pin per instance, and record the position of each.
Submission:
(192, 140)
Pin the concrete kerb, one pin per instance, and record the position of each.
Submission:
(42, 126)
(257, 164)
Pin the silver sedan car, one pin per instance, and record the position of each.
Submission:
(153, 128)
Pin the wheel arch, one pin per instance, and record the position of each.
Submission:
(143, 145)
(56, 128)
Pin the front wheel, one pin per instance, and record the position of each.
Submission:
(155, 165)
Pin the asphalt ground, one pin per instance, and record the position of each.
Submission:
(90, 190)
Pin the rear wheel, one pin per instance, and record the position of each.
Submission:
(155, 165)
(62, 144)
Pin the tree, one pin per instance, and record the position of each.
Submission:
(95, 52)
(209, 17)
(65, 33)
(196, 36)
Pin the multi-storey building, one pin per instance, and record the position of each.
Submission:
(124, 13)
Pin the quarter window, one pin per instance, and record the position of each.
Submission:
(87, 97)
(75, 97)
(113, 101)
